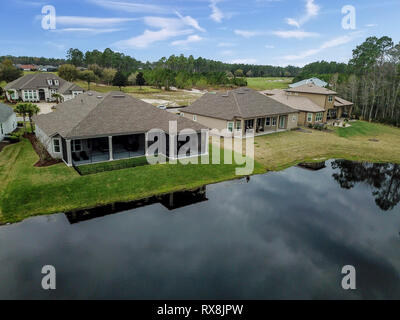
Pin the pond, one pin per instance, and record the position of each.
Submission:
(282, 235)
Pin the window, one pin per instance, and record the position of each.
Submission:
(249, 124)
(230, 126)
(56, 82)
(50, 82)
(26, 95)
(319, 116)
(56, 145)
(76, 145)
(268, 122)
(294, 118)
(182, 114)
(238, 125)
(194, 118)
(309, 117)
(274, 121)
(330, 99)
(30, 94)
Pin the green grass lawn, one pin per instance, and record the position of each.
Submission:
(269, 83)
(28, 191)
(363, 128)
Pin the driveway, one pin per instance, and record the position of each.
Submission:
(45, 107)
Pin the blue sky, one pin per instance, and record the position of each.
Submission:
(277, 32)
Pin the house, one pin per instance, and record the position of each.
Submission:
(240, 111)
(41, 87)
(8, 120)
(315, 104)
(48, 68)
(27, 67)
(316, 81)
(99, 127)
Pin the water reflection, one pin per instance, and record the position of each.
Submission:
(384, 180)
(314, 166)
(171, 201)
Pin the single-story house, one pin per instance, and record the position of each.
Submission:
(38, 87)
(27, 67)
(99, 127)
(48, 68)
(240, 111)
(316, 81)
(8, 120)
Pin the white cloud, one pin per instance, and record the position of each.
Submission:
(297, 34)
(91, 21)
(167, 28)
(268, 46)
(248, 33)
(132, 7)
(86, 31)
(191, 22)
(312, 10)
(244, 61)
(326, 45)
(189, 39)
(216, 14)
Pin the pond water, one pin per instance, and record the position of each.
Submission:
(275, 236)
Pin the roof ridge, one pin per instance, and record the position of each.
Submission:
(237, 104)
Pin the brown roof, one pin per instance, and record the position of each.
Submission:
(311, 88)
(340, 102)
(39, 80)
(298, 102)
(241, 103)
(98, 115)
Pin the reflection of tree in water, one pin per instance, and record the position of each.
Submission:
(384, 179)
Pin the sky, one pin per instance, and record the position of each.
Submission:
(273, 32)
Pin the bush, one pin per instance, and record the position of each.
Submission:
(110, 166)
(319, 126)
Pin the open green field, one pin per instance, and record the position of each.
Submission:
(362, 142)
(27, 191)
(268, 83)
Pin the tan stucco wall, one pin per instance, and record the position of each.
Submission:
(293, 120)
(211, 123)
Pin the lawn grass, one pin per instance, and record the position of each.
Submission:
(282, 150)
(27, 191)
(268, 83)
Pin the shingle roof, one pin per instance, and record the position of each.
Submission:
(240, 103)
(5, 112)
(97, 115)
(311, 88)
(316, 81)
(39, 80)
(298, 102)
(340, 102)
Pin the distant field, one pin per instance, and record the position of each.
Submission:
(269, 83)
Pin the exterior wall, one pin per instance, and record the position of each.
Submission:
(48, 143)
(293, 121)
(9, 126)
(34, 95)
(209, 122)
(74, 94)
(16, 95)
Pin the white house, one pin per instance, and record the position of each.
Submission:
(8, 120)
(38, 87)
(315, 81)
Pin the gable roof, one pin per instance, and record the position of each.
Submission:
(316, 81)
(5, 112)
(311, 88)
(39, 80)
(340, 102)
(99, 115)
(240, 103)
(298, 102)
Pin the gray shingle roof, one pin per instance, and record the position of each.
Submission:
(240, 103)
(298, 102)
(316, 81)
(39, 80)
(311, 88)
(95, 115)
(5, 112)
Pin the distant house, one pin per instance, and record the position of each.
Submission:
(240, 111)
(8, 120)
(48, 68)
(41, 87)
(100, 128)
(28, 67)
(315, 104)
(316, 81)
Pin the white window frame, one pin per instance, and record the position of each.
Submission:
(319, 117)
(229, 124)
(308, 117)
(330, 99)
(194, 118)
(294, 118)
(238, 128)
(56, 82)
(59, 145)
(50, 82)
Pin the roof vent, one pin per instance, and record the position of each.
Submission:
(225, 95)
(90, 94)
(119, 96)
(99, 97)
(240, 92)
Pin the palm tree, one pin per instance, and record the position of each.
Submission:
(22, 109)
(32, 109)
(58, 97)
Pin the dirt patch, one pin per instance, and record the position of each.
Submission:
(373, 140)
(3, 144)
(45, 160)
